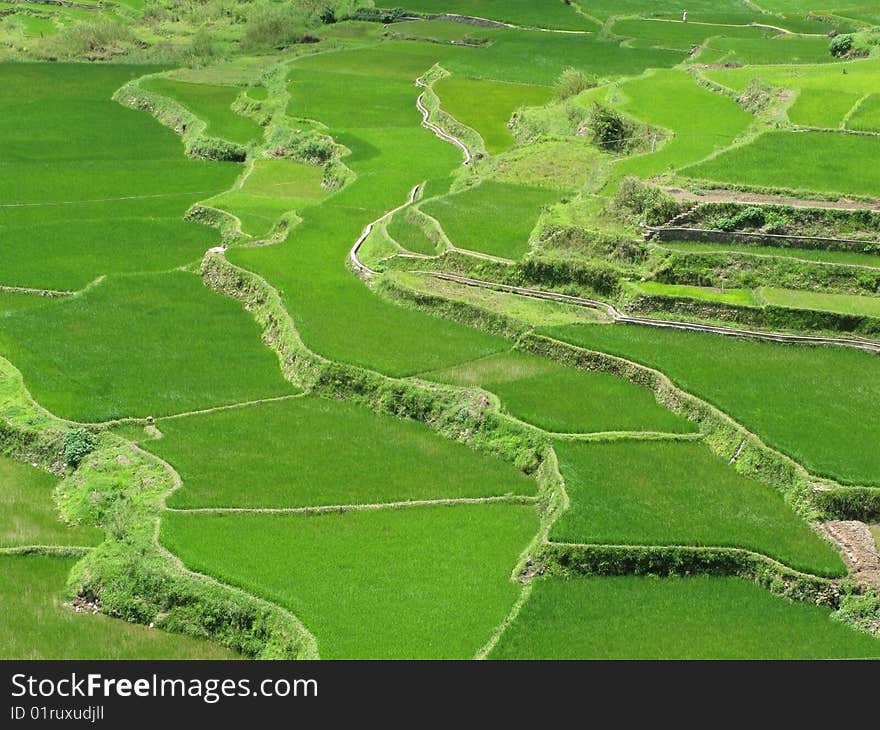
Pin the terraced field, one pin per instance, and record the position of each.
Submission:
(351, 398)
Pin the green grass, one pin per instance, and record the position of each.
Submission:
(826, 162)
(875, 531)
(487, 106)
(13, 301)
(138, 346)
(700, 11)
(819, 405)
(855, 77)
(782, 49)
(212, 105)
(539, 14)
(701, 121)
(852, 258)
(435, 30)
(737, 297)
(28, 515)
(534, 312)
(52, 236)
(562, 399)
(493, 218)
(561, 164)
(418, 583)
(675, 493)
(821, 107)
(840, 303)
(405, 229)
(273, 188)
(674, 618)
(680, 36)
(867, 117)
(36, 624)
(306, 452)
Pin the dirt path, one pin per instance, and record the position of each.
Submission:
(737, 196)
(859, 549)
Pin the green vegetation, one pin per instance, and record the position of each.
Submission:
(487, 106)
(306, 452)
(28, 515)
(405, 229)
(546, 14)
(738, 297)
(777, 391)
(140, 345)
(561, 164)
(674, 618)
(680, 36)
(841, 303)
(79, 199)
(699, 120)
(782, 49)
(821, 107)
(866, 117)
(837, 163)
(534, 312)
(563, 399)
(36, 624)
(851, 258)
(875, 530)
(272, 189)
(493, 218)
(423, 582)
(672, 493)
(211, 104)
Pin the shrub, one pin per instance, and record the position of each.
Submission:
(649, 204)
(608, 128)
(841, 45)
(572, 82)
(327, 16)
(93, 39)
(273, 26)
(78, 443)
(201, 46)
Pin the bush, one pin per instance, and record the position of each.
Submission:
(273, 26)
(608, 128)
(770, 221)
(93, 39)
(201, 46)
(327, 16)
(78, 443)
(647, 203)
(841, 45)
(572, 82)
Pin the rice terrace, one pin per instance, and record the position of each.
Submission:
(466, 329)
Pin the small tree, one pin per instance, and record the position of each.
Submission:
(841, 45)
(78, 443)
(608, 128)
(572, 82)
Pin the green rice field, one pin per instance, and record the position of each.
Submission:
(402, 500)
(674, 618)
(305, 451)
(425, 582)
(493, 218)
(562, 399)
(774, 390)
(668, 493)
(37, 624)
